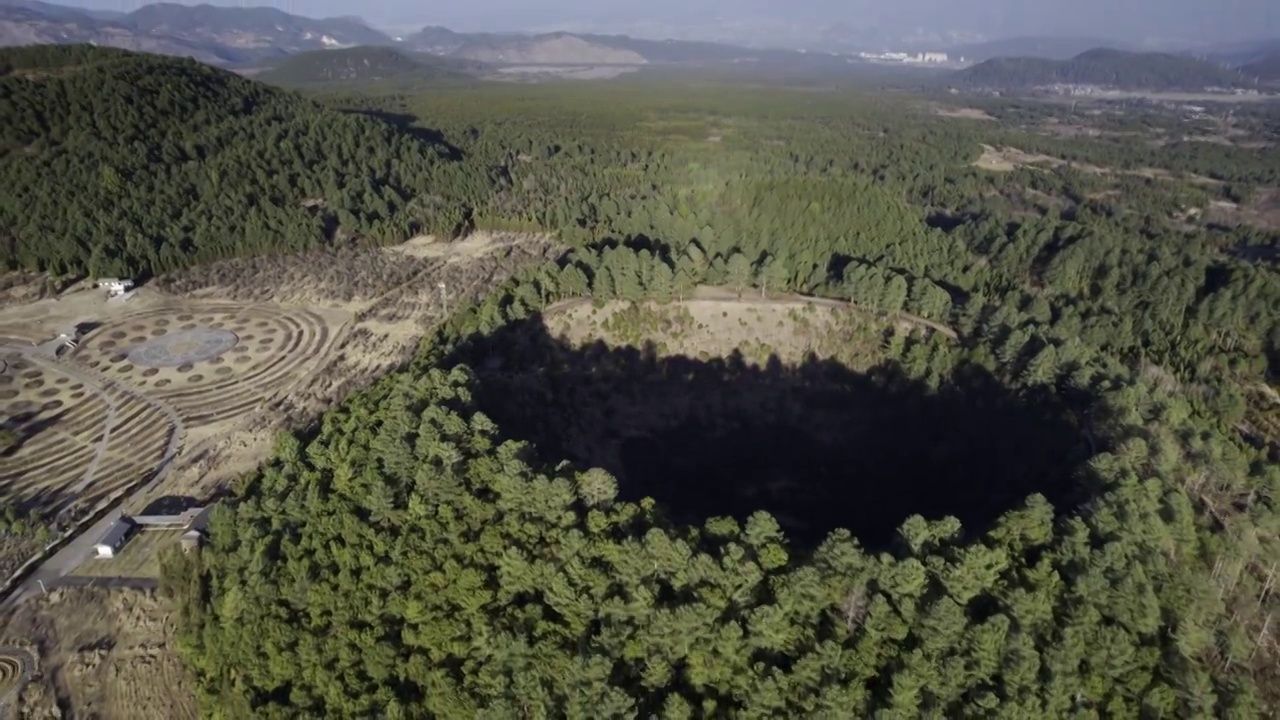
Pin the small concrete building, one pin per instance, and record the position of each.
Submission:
(115, 286)
(114, 539)
(191, 540)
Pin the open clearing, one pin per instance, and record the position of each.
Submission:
(715, 322)
(204, 367)
(962, 113)
(1262, 211)
(1007, 159)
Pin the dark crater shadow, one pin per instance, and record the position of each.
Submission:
(817, 445)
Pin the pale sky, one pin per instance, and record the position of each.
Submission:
(1203, 20)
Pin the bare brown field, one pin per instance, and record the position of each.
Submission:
(104, 654)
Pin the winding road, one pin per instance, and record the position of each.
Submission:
(74, 552)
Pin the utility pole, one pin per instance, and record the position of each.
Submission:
(43, 589)
(444, 297)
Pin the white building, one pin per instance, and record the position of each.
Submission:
(114, 539)
(115, 286)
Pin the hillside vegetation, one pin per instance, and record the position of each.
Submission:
(124, 164)
(1104, 67)
(1266, 68)
(1063, 506)
(365, 64)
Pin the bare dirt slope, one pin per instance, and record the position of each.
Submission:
(103, 654)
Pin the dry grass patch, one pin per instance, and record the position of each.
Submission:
(104, 654)
(963, 113)
(715, 323)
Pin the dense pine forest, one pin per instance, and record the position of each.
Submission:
(123, 164)
(439, 545)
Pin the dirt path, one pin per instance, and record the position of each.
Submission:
(72, 554)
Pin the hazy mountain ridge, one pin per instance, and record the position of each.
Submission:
(1105, 68)
(578, 48)
(366, 64)
(218, 35)
(1048, 48)
(252, 36)
(1265, 68)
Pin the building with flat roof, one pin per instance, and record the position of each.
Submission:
(191, 540)
(191, 519)
(115, 286)
(114, 538)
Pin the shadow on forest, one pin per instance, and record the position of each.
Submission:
(406, 124)
(817, 445)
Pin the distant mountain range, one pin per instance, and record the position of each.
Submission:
(217, 35)
(1105, 68)
(1048, 48)
(245, 37)
(1265, 68)
(257, 37)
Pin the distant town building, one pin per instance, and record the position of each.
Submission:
(901, 57)
(114, 538)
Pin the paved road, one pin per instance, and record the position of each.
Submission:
(133, 583)
(73, 554)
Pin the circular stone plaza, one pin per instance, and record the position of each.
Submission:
(185, 347)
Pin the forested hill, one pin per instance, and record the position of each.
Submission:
(1103, 67)
(1265, 68)
(366, 64)
(120, 163)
